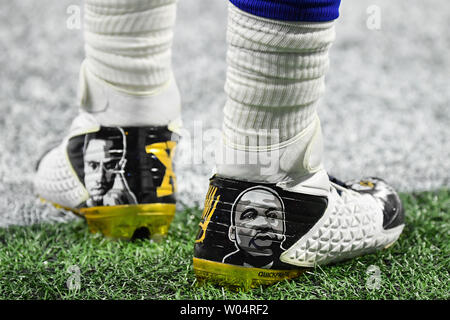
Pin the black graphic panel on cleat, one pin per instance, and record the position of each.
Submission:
(129, 165)
(248, 224)
(393, 212)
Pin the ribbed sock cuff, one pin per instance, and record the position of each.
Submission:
(128, 42)
(291, 10)
(275, 76)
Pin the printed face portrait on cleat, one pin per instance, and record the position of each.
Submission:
(257, 227)
(99, 167)
(104, 164)
(124, 166)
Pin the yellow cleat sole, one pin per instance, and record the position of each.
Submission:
(238, 277)
(125, 221)
(128, 221)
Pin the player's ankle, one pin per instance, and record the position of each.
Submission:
(115, 106)
(290, 161)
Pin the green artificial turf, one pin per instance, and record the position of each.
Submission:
(35, 261)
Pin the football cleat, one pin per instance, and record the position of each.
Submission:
(255, 234)
(120, 179)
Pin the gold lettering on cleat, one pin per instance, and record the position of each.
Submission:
(208, 211)
(164, 152)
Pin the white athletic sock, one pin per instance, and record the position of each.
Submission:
(275, 75)
(126, 78)
(275, 79)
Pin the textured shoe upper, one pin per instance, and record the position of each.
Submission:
(388, 199)
(56, 181)
(351, 226)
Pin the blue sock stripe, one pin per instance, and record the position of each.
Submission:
(291, 10)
